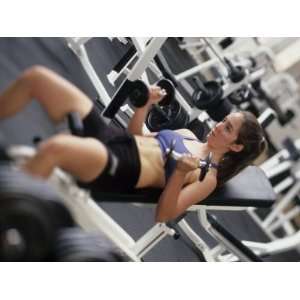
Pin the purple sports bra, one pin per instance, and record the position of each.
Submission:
(165, 139)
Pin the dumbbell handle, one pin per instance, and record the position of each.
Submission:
(203, 165)
(176, 156)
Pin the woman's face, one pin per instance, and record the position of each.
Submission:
(225, 133)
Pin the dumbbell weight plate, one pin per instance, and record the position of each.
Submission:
(21, 214)
(211, 99)
(28, 220)
(212, 102)
(237, 74)
(168, 86)
(200, 129)
(177, 118)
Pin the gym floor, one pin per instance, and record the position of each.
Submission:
(16, 54)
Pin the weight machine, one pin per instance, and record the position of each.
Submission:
(119, 97)
(91, 217)
(284, 162)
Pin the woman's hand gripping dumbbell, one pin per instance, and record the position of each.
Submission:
(162, 92)
(188, 162)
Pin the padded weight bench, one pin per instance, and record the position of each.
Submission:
(250, 188)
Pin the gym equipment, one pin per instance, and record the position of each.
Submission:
(284, 117)
(121, 94)
(226, 42)
(139, 93)
(172, 116)
(164, 68)
(30, 215)
(240, 96)
(235, 73)
(75, 245)
(130, 53)
(283, 166)
(209, 97)
(200, 129)
(204, 164)
(248, 189)
(122, 238)
(35, 225)
(145, 51)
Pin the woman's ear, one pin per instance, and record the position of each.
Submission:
(236, 147)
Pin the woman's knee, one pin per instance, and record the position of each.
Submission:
(32, 78)
(84, 158)
(53, 148)
(58, 96)
(34, 73)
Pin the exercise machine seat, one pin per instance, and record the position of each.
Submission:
(250, 188)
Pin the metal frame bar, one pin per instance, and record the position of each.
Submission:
(275, 165)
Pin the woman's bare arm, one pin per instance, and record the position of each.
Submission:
(175, 199)
(135, 125)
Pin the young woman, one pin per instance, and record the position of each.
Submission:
(117, 160)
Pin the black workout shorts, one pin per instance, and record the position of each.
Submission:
(123, 146)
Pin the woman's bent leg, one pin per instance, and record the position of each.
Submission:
(84, 158)
(57, 95)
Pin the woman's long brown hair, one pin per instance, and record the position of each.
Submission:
(251, 136)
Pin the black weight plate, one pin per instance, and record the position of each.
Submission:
(177, 118)
(168, 86)
(212, 99)
(29, 207)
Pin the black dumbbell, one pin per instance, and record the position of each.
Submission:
(30, 215)
(236, 73)
(209, 97)
(139, 93)
(172, 116)
(204, 164)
